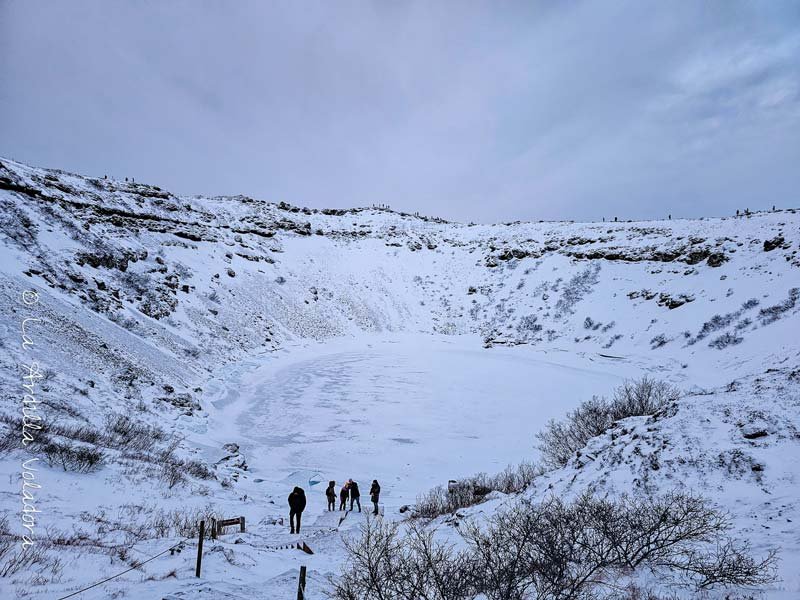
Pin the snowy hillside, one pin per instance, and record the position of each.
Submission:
(209, 354)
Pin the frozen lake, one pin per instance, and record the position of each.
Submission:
(411, 411)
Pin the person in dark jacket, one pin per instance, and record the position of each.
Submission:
(297, 504)
(375, 495)
(330, 494)
(343, 495)
(355, 495)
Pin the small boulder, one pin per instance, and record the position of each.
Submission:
(776, 242)
(716, 259)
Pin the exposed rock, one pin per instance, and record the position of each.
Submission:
(673, 302)
(775, 242)
(716, 259)
(696, 256)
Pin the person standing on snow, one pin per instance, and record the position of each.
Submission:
(297, 504)
(330, 494)
(355, 495)
(343, 494)
(375, 495)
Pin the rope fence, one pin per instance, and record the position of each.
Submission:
(135, 566)
(299, 545)
(289, 545)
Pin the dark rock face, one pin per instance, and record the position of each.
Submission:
(716, 259)
(696, 256)
(776, 242)
(513, 253)
(673, 302)
(664, 298)
(183, 402)
(108, 260)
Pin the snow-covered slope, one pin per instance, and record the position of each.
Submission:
(388, 344)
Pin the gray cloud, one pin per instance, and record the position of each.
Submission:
(471, 111)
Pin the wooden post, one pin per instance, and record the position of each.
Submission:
(213, 528)
(200, 548)
(241, 524)
(301, 584)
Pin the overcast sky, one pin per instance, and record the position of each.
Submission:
(489, 112)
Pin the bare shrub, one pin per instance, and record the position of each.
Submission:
(142, 521)
(57, 440)
(172, 474)
(570, 550)
(384, 564)
(33, 558)
(80, 459)
(6, 537)
(198, 469)
(139, 283)
(373, 570)
(125, 433)
(175, 470)
(9, 440)
(645, 396)
(635, 592)
(528, 323)
(443, 500)
(512, 479)
(14, 559)
(79, 447)
(555, 549)
(560, 440)
(659, 341)
(748, 304)
(83, 433)
(725, 340)
(577, 287)
(439, 501)
(716, 323)
(773, 313)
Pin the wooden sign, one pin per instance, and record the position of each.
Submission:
(222, 523)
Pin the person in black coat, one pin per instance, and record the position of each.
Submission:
(343, 495)
(297, 504)
(375, 495)
(355, 495)
(330, 494)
